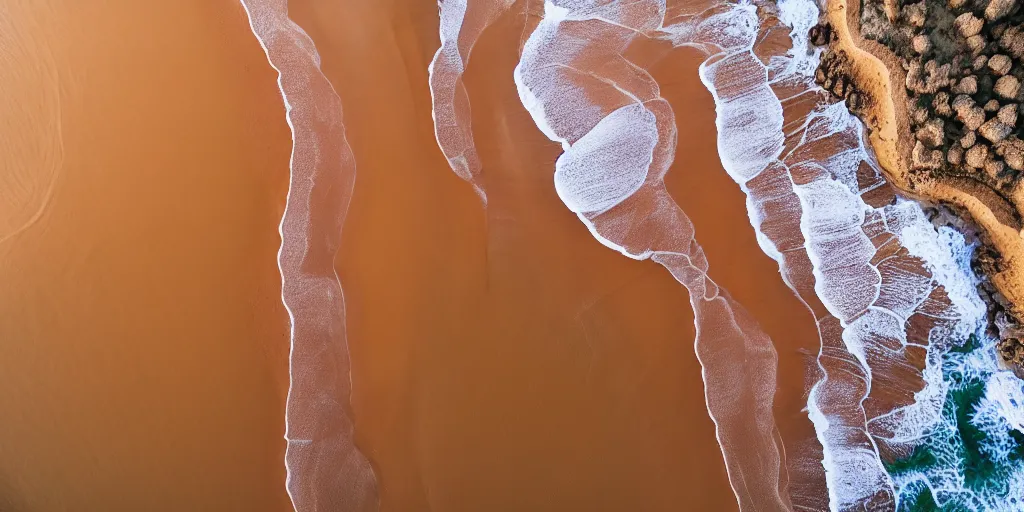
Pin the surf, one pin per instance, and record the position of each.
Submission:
(325, 470)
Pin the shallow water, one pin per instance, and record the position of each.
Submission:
(457, 301)
(142, 361)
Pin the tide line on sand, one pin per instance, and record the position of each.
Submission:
(325, 469)
(883, 283)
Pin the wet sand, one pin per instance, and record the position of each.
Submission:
(502, 358)
(717, 207)
(874, 69)
(505, 360)
(143, 341)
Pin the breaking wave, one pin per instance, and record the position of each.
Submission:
(325, 469)
(892, 294)
(462, 22)
(618, 146)
(908, 402)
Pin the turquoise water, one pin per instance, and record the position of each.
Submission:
(973, 459)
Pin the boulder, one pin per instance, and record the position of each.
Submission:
(979, 63)
(967, 85)
(968, 140)
(919, 116)
(968, 24)
(1012, 351)
(993, 168)
(977, 44)
(1008, 115)
(928, 78)
(997, 31)
(941, 104)
(961, 102)
(998, 8)
(994, 130)
(972, 117)
(932, 133)
(1013, 155)
(992, 106)
(955, 155)
(976, 156)
(1012, 40)
(819, 35)
(853, 101)
(921, 44)
(916, 14)
(1007, 87)
(839, 86)
(924, 158)
(1000, 64)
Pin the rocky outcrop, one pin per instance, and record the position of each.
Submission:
(964, 78)
(964, 81)
(1012, 350)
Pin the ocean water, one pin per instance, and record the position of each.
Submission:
(325, 469)
(523, 200)
(893, 295)
(144, 344)
(30, 116)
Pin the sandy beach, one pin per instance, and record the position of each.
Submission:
(502, 358)
(144, 343)
(874, 70)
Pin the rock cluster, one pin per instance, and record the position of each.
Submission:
(833, 71)
(1012, 350)
(963, 62)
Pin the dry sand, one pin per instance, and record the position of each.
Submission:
(502, 358)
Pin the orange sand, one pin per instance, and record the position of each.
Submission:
(875, 70)
(502, 358)
(142, 339)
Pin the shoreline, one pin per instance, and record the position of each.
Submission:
(870, 69)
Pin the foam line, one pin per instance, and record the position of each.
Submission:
(819, 204)
(611, 175)
(893, 295)
(462, 23)
(326, 472)
(890, 293)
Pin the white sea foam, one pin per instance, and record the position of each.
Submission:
(885, 286)
(891, 294)
(462, 23)
(901, 291)
(609, 163)
(325, 470)
(617, 149)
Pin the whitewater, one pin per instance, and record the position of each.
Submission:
(892, 294)
(325, 470)
(901, 326)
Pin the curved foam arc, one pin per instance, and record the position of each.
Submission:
(611, 174)
(876, 269)
(831, 225)
(807, 174)
(462, 23)
(30, 112)
(876, 275)
(325, 469)
(601, 170)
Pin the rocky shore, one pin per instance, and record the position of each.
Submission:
(940, 85)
